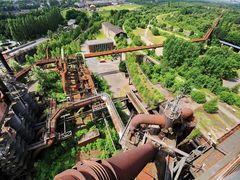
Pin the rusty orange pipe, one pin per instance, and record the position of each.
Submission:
(160, 120)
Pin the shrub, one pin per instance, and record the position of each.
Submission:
(198, 97)
(155, 31)
(227, 97)
(181, 30)
(211, 106)
(122, 66)
(191, 33)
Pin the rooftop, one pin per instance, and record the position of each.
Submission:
(102, 41)
(113, 28)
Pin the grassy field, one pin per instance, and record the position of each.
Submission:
(121, 7)
(156, 39)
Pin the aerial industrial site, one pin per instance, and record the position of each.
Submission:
(119, 90)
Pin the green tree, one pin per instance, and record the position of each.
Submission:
(155, 31)
(176, 51)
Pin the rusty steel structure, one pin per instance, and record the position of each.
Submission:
(23, 133)
(23, 72)
(76, 78)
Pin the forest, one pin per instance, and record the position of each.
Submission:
(30, 26)
(185, 65)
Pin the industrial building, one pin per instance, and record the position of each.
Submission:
(111, 30)
(151, 140)
(99, 45)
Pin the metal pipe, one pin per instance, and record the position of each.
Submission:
(124, 166)
(160, 120)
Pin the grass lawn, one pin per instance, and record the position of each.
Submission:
(100, 35)
(121, 7)
(156, 39)
(139, 31)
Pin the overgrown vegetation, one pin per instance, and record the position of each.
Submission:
(229, 27)
(198, 96)
(182, 67)
(122, 66)
(49, 83)
(150, 95)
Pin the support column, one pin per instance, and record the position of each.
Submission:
(123, 56)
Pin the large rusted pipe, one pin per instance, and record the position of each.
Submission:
(5, 64)
(160, 120)
(124, 166)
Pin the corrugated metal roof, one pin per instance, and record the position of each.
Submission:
(102, 41)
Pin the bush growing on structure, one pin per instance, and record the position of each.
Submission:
(211, 106)
(15, 66)
(49, 83)
(194, 134)
(198, 96)
(122, 66)
(227, 97)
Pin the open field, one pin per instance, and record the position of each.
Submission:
(155, 39)
(121, 7)
(139, 31)
(151, 37)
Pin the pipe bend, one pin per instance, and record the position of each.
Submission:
(139, 119)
